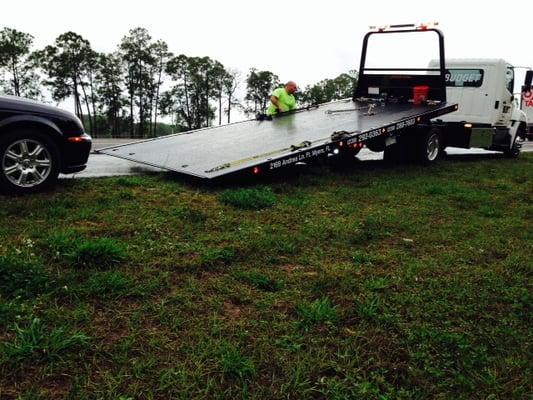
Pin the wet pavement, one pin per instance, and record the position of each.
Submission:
(101, 165)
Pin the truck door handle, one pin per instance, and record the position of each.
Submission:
(497, 104)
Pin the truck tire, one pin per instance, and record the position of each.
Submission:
(29, 162)
(514, 150)
(429, 146)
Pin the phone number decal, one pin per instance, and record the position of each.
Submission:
(406, 123)
(377, 132)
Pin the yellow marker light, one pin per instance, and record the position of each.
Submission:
(468, 126)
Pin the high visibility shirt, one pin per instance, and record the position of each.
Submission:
(287, 101)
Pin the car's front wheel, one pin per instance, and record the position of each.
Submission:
(29, 162)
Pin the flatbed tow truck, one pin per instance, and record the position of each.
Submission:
(392, 110)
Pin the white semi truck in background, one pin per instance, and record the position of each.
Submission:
(488, 116)
(526, 103)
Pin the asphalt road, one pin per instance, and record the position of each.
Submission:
(101, 165)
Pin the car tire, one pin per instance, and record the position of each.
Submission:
(29, 162)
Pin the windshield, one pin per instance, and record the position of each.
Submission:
(509, 79)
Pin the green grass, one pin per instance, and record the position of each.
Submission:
(35, 344)
(259, 281)
(374, 282)
(67, 247)
(249, 199)
(22, 277)
(232, 362)
(100, 253)
(320, 311)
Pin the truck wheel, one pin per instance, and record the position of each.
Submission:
(29, 162)
(514, 150)
(429, 146)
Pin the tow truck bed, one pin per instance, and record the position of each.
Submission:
(271, 144)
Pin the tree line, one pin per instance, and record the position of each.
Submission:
(126, 92)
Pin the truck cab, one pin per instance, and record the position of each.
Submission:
(488, 116)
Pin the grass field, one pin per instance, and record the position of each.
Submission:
(377, 282)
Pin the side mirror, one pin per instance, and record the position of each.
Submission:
(529, 78)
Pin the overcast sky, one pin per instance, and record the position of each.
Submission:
(305, 41)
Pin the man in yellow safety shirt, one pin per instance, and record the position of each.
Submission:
(282, 99)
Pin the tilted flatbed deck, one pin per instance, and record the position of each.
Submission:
(271, 144)
(381, 113)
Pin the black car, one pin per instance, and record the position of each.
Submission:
(37, 142)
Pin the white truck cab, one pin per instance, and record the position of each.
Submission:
(488, 116)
